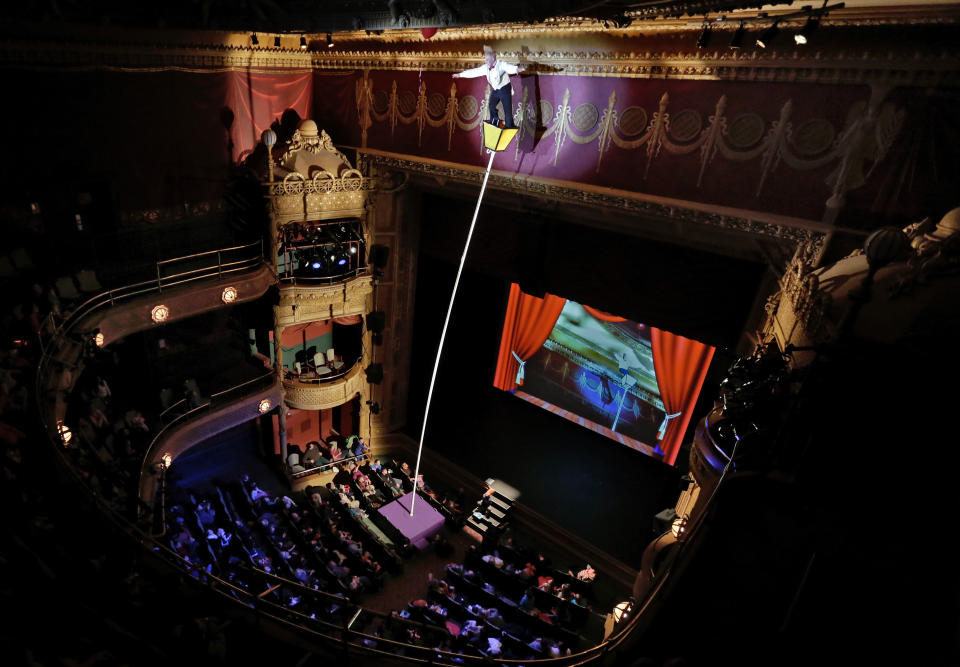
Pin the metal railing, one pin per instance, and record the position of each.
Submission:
(210, 269)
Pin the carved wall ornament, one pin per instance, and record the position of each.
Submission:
(810, 145)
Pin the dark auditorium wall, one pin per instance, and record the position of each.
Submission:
(598, 489)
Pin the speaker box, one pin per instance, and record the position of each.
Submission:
(374, 373)
(376, 321)
(379, 254)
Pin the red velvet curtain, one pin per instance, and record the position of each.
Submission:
(681, 367)
(258, 99)
(602, 316)
(527, 325)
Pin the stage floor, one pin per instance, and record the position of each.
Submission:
(424, 524)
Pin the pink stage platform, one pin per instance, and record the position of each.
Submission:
(424, 524)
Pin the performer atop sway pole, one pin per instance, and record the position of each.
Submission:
(498, 76)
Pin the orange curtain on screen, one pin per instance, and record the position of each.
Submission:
(602, 316)
(681, 367)
(527, 325)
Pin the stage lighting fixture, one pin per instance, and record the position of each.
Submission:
(276, 42)
(766, 37)
(254, 40)
(303, 43)
(353, 250)
(737, 40)
(329, 41)
(704, 37)
(803, 36)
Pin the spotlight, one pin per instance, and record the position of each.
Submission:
(766, 37)
(737, 40)
(303, 43)
(704, 37)
(276, 42)
(803, 36)
(353, 250)
(329, 41)
(254, 40)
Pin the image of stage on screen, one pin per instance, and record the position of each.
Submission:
(633, 383)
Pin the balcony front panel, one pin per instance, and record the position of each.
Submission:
(326, 394)
(319, 199)
(304, 302)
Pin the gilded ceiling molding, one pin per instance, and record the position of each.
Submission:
(808, 234)
(793, 66)
(572, 26)
(773, 66)
(148, 57)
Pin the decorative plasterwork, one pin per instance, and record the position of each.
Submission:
(302, 303)
(313, 396)
(794, 66)
(813, 143)
(617, 200)
(323, 196)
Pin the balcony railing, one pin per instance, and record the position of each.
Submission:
(171, 273)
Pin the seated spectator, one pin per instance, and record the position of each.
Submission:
(335, 452)
(587, 574)
(359, 583)
(311, 456)
(493, 559)
(206, 513)
(536, 644)
(376, 466)
(544, 583)
(339, 571)
(493, 646)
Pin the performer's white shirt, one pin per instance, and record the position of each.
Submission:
(498, 76)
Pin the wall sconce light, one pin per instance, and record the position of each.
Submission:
(229, 294)
(766, 37)
(303, 43)
(66, 435)
(803, 36)
(159, 313)
(678, 526)
(329, 41)
(264, 406)
(166, 460)
(621, 611)
(99, 340)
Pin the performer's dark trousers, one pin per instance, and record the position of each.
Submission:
(504, 96)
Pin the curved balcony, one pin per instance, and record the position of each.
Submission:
(309, 302)
(322, 393)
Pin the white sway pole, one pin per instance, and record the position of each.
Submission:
(443, 335)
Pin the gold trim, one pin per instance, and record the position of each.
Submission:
(795, 66)
(796, 231)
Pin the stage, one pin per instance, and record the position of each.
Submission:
(424, 524)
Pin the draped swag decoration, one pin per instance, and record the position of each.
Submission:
(854, 150)
(527, 325)
(681, 367)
